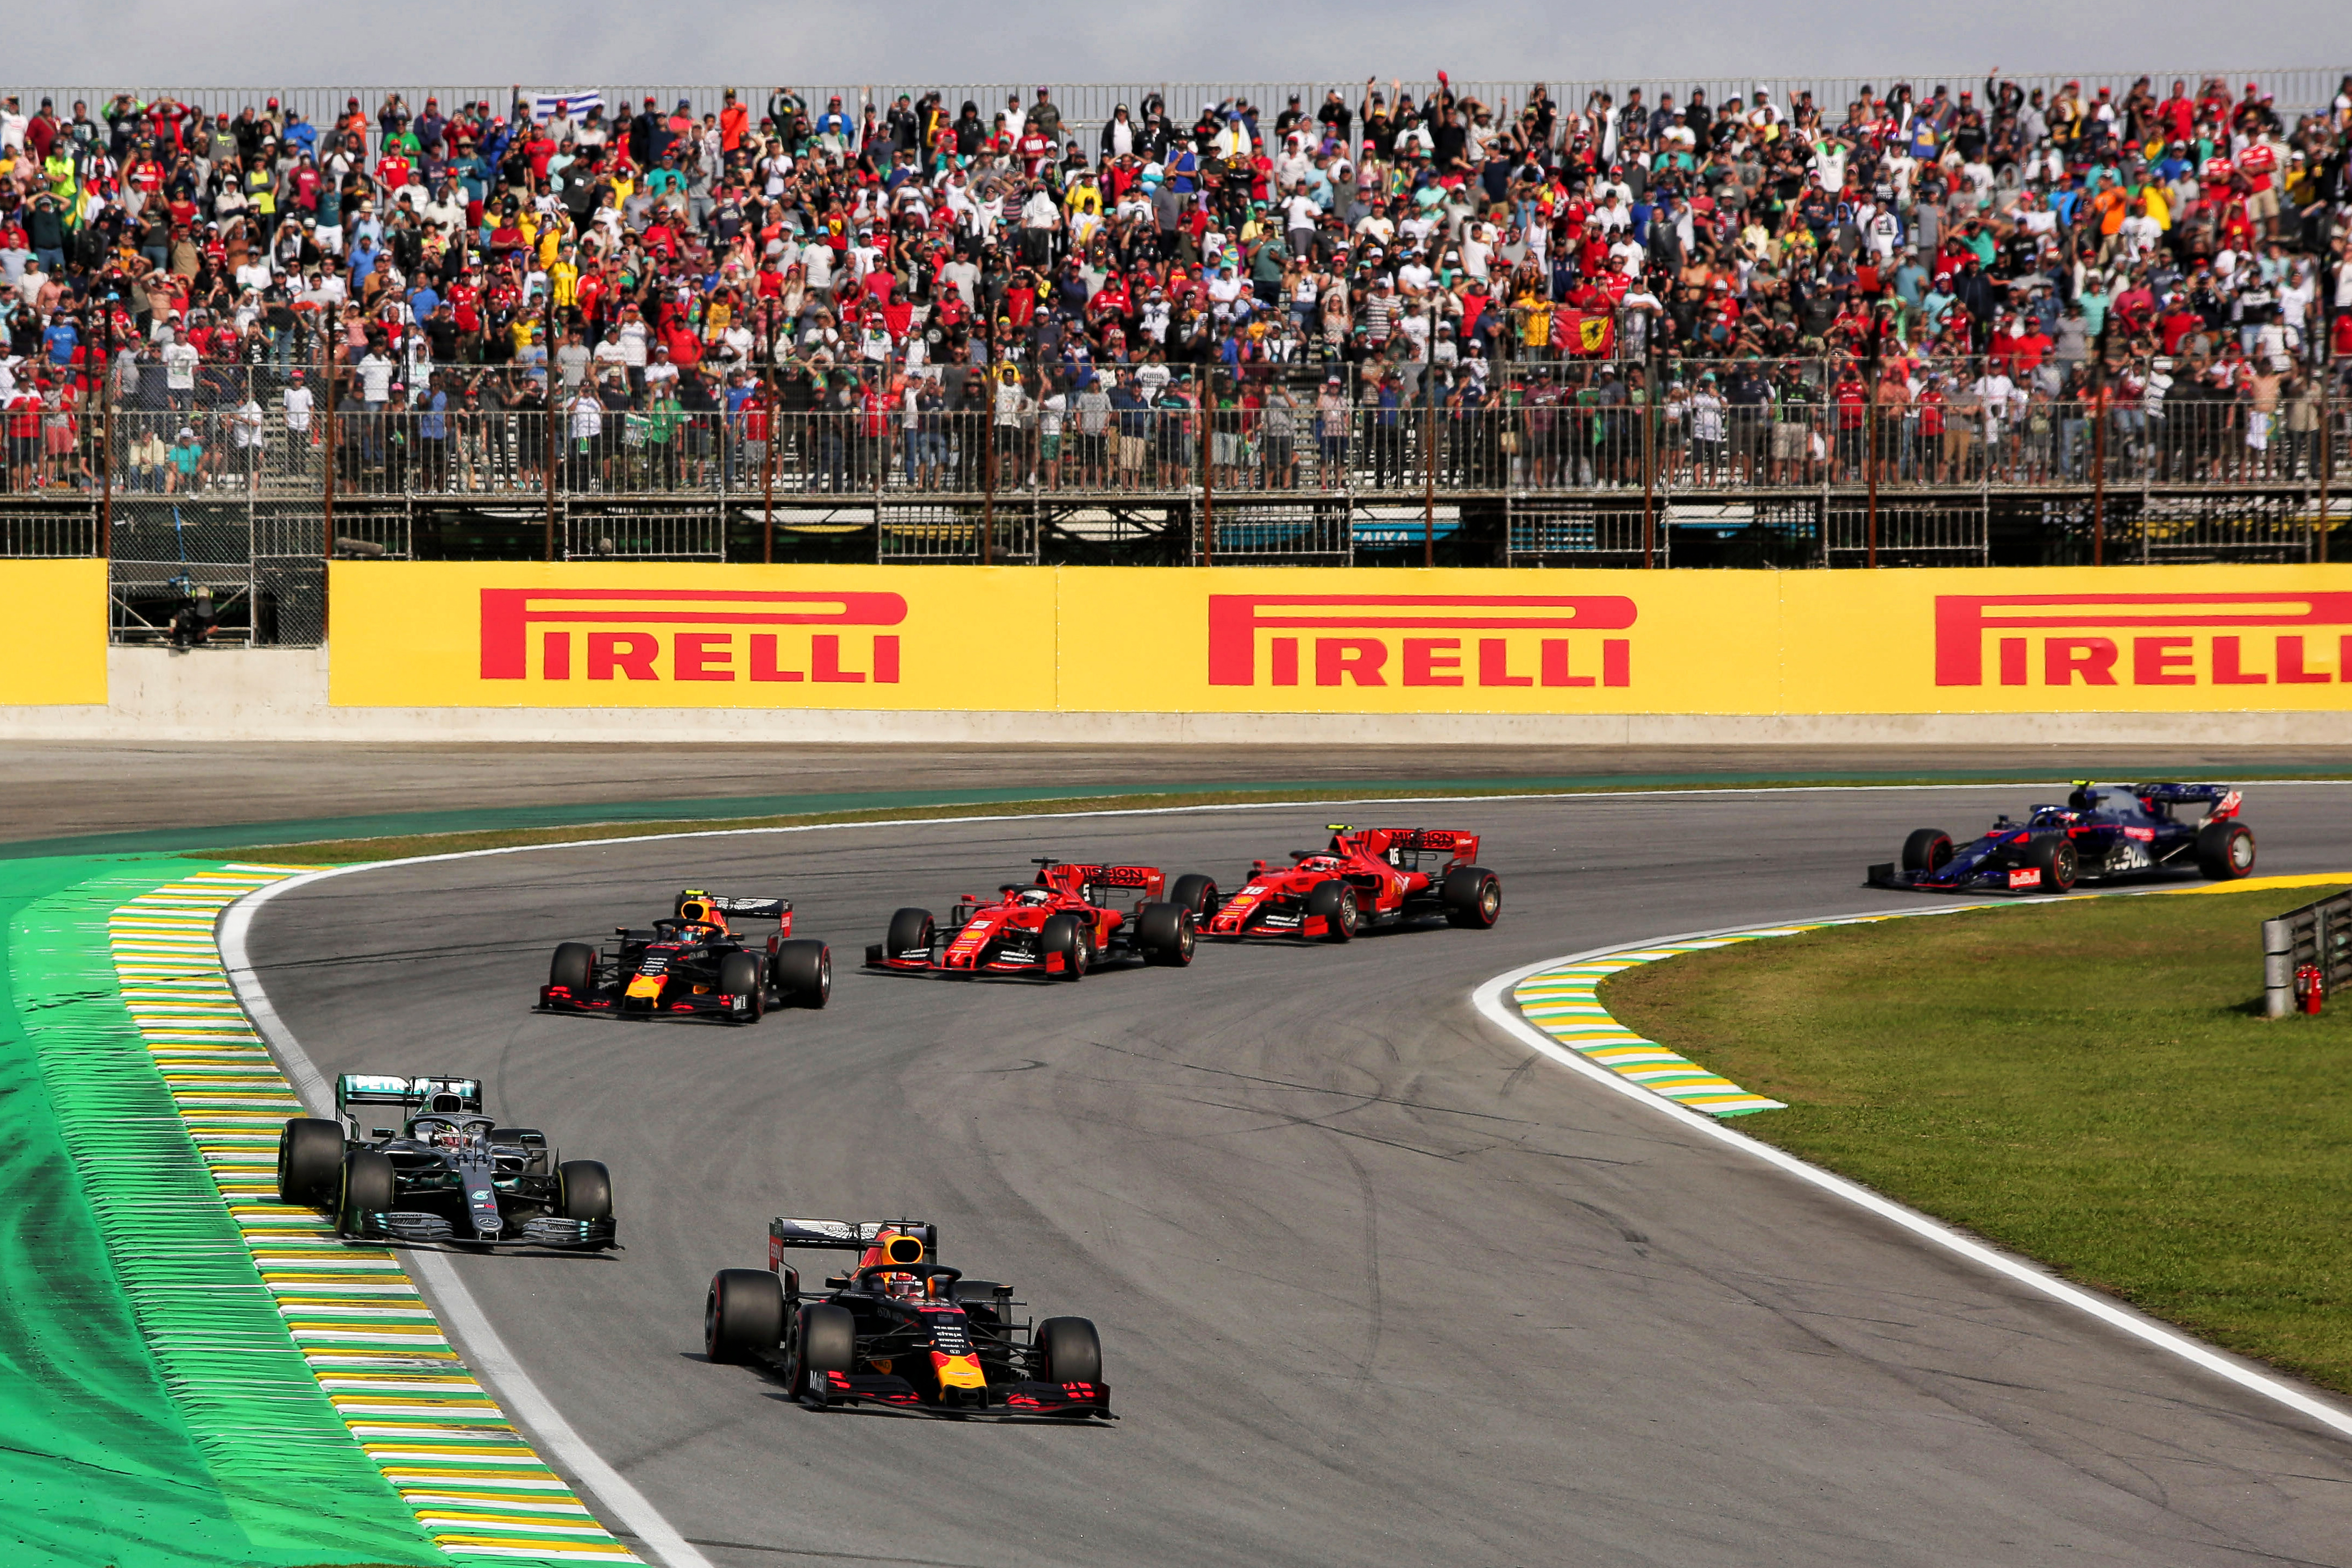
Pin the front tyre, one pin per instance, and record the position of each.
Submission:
(1336, 902)
(574, 968)
(1196, 893)
(1063, 935)
(1928, 849)
(1471, 896)
(2225, 850)
(310, 1161)
(583, 1189)
(824, 1339)
(368, 1187)
(743, 1316)
(1070, 1349)
(912, 932)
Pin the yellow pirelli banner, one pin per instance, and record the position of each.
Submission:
(1244, 639)
(57, 610)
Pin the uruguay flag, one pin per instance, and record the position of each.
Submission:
(572, 106)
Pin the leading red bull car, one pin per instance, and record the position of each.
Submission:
(900, 1330)
(1072, 919)
(1365, 877)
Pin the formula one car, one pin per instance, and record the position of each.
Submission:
(1367, 877)
(2104, 832)
(900, 1330)
(446, 1173)
(1059, 927)
(691, 963)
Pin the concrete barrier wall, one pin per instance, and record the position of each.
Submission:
(269, 694)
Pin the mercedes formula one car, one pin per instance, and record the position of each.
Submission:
(692, 963)
(444, 1173)
(2104, 832)
(1057, 927)
(1366, 877)
(900, 1330)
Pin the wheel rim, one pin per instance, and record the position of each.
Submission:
(1490, 901)
(824, 977)
(711, 1323)
(1348, 914)
(2241, 851)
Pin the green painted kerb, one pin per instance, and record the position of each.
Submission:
(149, 1407)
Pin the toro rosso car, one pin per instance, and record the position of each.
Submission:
(693, 963)
(900, 1330)
(1366, 877)
(443, 1172)
(1059, 927)
(2104, 832)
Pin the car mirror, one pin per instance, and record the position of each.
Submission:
(380, 1131)
(836, 1281)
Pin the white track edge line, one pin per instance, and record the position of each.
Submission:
(1490, 1000)
(486, 1353)
(255, 849)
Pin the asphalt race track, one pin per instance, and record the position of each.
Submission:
(1375, 1283)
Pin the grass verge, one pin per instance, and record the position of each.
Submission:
(2090, 1084)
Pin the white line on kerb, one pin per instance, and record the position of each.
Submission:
(486, 1352)
(1492, 1000)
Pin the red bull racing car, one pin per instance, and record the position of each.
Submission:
(900, 1330)
(1065, 923)
(693, 963)
(1366, 877)
(2104, 832)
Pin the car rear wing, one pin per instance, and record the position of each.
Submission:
(1092, 881)
(754, 908)
(1391, 843)
(378, 1089)
(844, 1235)
(2220, 799)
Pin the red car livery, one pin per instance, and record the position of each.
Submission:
(1070, 919)
(1367, 877)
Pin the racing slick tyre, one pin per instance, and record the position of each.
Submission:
(1335, 900)
(367, 1186)
(826, 1340)
(741, 974)
(1071, 1349)
(1928, 849)
(1167, 934)
(1196, 893)
(573, 967)
(1065, 936)
(1472, 897)
(802, 973)
(743, 1316)
(583, 1189)
(910, 930)
(2225, 850)
(310, 1161)
(2055, 858)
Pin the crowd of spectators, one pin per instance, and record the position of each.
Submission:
(1979, 268)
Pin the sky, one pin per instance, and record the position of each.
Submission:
(600, 42)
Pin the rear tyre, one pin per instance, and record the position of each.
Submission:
(573, 967)
(1063, 934)
(1167, 934)
(1335, 900)
(740, 974)
(310, 1161)
(368, 1187)
(2060, 865)
(1196, 893)
(826, 1340)
(1928, 849)
(583, 1189)
(743, 1316)
(1471, 896)
(802, 973)
(1071, 1349)
(910, 930)
(2225, 850)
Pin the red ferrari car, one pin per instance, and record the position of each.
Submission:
(1063, 924)
(1368, 877)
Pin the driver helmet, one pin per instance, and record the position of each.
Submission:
(1036, 896)
(902, 1287)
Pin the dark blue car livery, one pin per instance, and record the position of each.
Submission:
(2104, 832)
